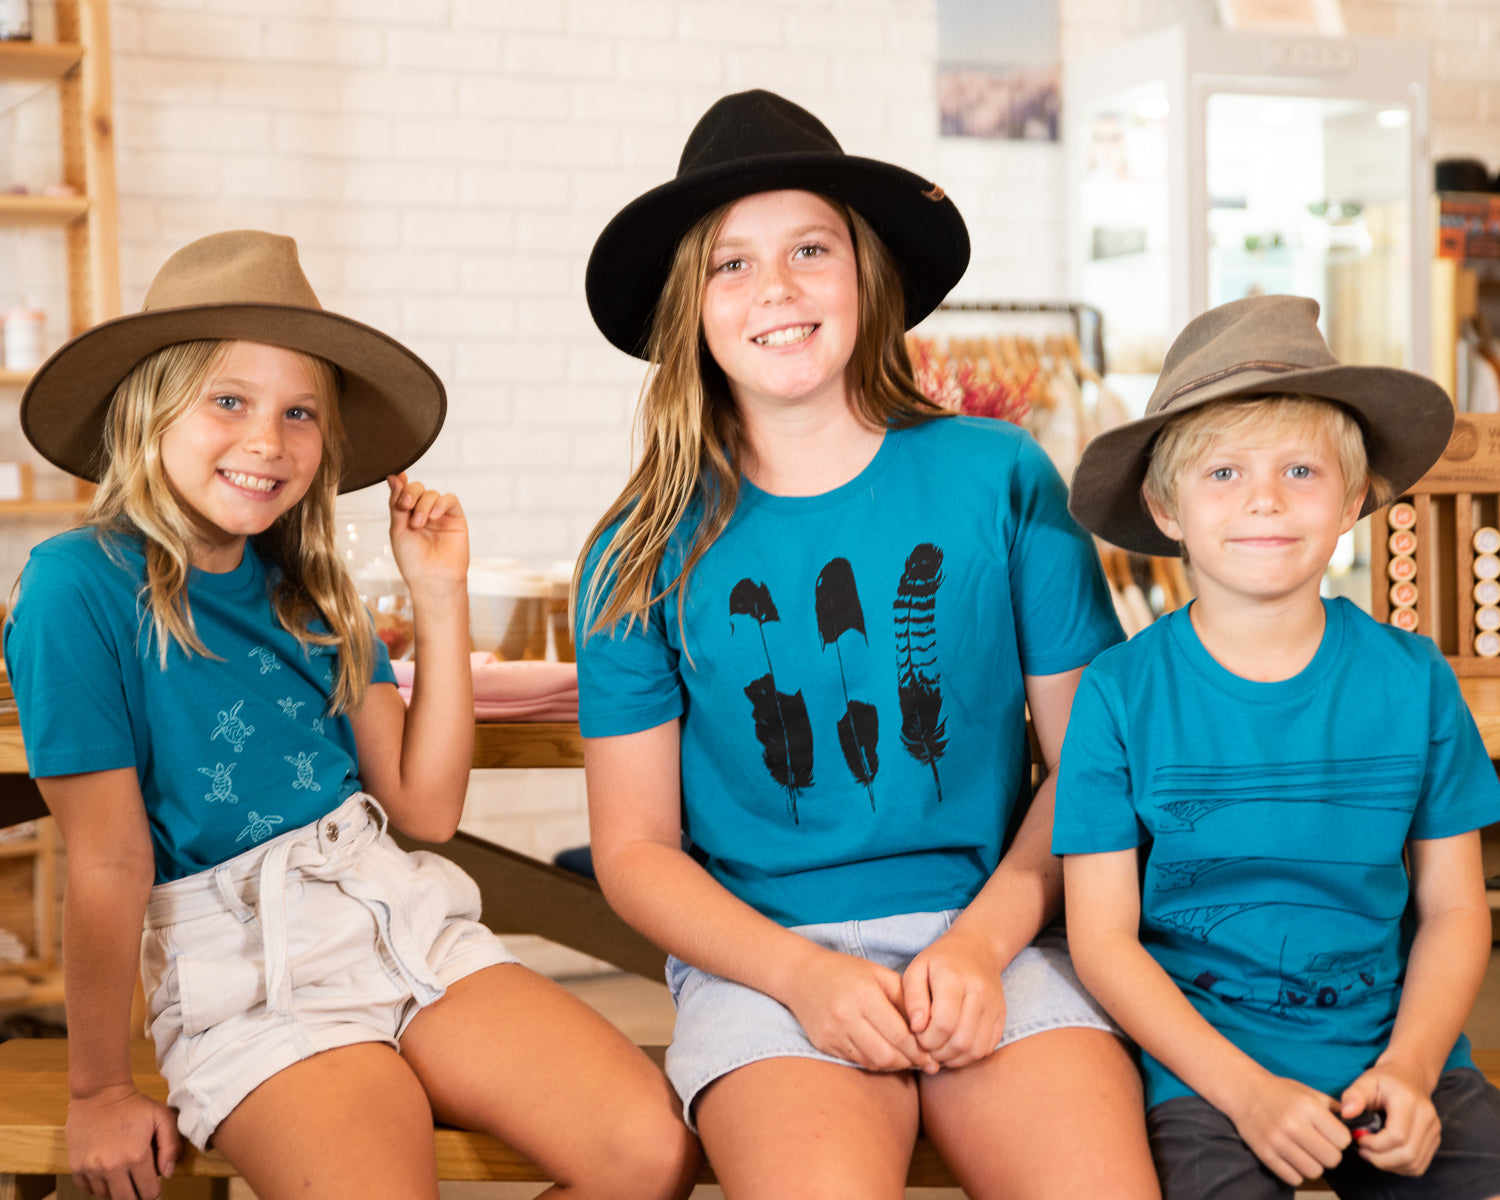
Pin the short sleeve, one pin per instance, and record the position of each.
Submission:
(1064, 615)
(1095, 812)
(66, 662)
(628, 676)
(1459, 789)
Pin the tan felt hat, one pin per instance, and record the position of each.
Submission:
(1261, 345)
(242, 286)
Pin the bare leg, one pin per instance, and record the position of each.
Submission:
(800, 1127)
(351, 1122)
(513, 1054)
(1055, 1116)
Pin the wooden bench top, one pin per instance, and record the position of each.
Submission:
(34, 1107)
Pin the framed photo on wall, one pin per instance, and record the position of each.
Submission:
(999, 69)
(1305, 16)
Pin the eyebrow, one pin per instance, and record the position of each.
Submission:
(800, 232)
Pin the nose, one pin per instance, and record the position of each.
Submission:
(265, 436)
(776, 283)
(1265, 494)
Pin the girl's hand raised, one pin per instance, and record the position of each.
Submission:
(429, 535)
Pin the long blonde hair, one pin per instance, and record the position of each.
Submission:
(692, 439)
(135, 498)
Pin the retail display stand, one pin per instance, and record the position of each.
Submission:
(1435, 551)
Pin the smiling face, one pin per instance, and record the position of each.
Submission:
(1259, 514)
(247, 449)
(781, 304)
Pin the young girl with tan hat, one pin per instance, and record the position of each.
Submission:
(809, 630)
(216, 729)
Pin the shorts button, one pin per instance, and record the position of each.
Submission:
(332, 830)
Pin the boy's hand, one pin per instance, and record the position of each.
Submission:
(1410, 1137)
(953, 999)
(429, 535)
(119, 1142)
(1291, 1127)
(851, 1008)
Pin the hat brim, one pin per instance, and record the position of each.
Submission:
(632, 257)
(1406, 419)
(392, 404)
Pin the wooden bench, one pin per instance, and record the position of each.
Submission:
(34, 1153)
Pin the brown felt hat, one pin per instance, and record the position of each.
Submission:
(1258, 346)
(242, 286)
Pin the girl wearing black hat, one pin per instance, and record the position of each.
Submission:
(216, 728)
(809, 631)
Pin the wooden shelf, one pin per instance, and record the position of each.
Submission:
(15, 378)
(42, 210)
(20, 847)
(41, 508)
(38, 60)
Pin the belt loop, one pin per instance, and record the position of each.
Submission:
(225, 885)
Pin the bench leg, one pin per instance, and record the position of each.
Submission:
(199, 1187)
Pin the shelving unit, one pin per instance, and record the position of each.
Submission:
(79, 62)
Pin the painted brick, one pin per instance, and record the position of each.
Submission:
(187, 127)
(566, 317)
(523, 187)
(404, 270)
(558, 57)
(649, 20)
(547, 16)
(167, 176)
(632, 103)
(160, 82)
(384, 183)
(507, 448)
(326, 42)
(457, 50)
(680, 63)
(554, 145)
(503, 95)
(507, 360)
(278, 86)
(393, 12)
(201, 36)
(407, 93)
(286, 178)
(730, 23)
(340, 135)
(178, 222)
(459, 317)
(524, 274)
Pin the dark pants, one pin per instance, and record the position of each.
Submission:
(1200, 1156)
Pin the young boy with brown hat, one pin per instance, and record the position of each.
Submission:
(1269, 803)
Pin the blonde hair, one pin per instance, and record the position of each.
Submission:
(135, 498)
(692, 440)
(1185, 440)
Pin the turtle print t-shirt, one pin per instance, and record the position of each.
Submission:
(230, 750)
(850, 686)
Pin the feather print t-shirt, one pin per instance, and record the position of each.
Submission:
(230, 750)
(850, 692)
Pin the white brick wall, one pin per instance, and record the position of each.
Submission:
(446, 164)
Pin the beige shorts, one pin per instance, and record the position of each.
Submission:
(326, 936)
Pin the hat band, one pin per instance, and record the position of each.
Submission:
(1204, 381)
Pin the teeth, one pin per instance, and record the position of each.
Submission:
(785, 337)
(256, 483)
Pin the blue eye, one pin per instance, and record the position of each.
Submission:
(1300, 472)
(227, 403)
(301, 414)
(1222, 474)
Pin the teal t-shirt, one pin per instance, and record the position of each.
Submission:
(229, 750)
(1274, 817)
(848, 672)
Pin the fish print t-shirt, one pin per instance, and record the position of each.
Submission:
(850, 682)
(1275, 816)
(229, 750)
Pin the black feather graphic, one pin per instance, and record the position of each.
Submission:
(836, 600)
(917, 680)
(781, 723)
(785, 736)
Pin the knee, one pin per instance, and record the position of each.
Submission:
(649, 1155)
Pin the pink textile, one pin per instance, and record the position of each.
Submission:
(513, 691)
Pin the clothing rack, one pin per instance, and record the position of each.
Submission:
(1088, 321)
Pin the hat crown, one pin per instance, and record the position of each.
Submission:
(750, 125)
(240, 267)
(1266, 334)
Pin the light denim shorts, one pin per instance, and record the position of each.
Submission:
(323, 937)
(722, 1025)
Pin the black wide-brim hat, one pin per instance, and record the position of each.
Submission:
(753, 142)
(1258, 346)
(242, 286)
